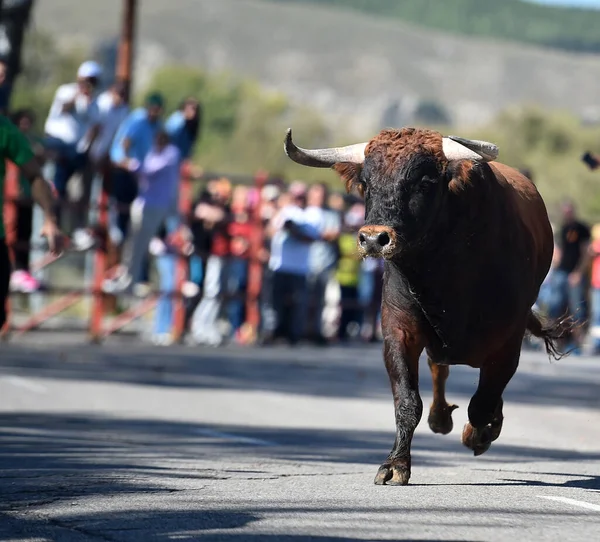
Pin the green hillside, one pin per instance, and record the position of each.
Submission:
(562, 28)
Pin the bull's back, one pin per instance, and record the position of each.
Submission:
(531, 213)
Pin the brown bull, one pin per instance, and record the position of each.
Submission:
(467, 243)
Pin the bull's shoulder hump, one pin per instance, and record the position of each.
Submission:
(521, 184)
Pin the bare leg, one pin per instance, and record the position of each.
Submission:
(440, 412)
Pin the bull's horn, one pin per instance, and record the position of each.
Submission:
(458, 148)
(354, 154)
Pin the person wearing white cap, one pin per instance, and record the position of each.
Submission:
(71, 125)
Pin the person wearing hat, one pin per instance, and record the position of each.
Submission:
(132, 143)
(70, 125)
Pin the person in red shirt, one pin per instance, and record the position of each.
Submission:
(240, 231)
(595, 286)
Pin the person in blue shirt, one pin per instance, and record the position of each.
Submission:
(183, 126)
(132, 143)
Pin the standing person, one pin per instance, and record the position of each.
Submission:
(131, 144)
(322, 256)
(159, 183)
(348, 272)
(21, 279)
(216, 217)
(166, 249)
(595, 284)
(15, 147)
(240, 233)
(112, 112)
(71, 126)
(569, 277)
(184, 125)
(291, 237)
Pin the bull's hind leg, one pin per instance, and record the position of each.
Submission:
(485, 409)
(440, 412)
(401, 354)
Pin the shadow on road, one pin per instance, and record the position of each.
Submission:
(329, 372)
(50, 456)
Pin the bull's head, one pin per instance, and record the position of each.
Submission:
(404, 175)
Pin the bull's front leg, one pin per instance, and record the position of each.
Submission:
(401, 354)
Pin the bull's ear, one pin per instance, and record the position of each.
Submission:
(460, 172)
(350, 174)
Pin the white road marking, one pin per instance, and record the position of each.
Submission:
(25, 384)
(581, 504)
(234, 438)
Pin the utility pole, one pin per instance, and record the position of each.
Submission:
(126, 45)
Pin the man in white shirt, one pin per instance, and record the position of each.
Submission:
(293, 232)
(322, 258)
(71, 125)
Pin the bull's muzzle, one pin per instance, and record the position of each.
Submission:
(376, 241)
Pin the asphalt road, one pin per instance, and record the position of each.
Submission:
(125, 442)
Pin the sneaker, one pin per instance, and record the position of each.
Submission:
(141, 289)
(162, 339)
(189, 289)
(117, 284)
(82, 240)
(22, 281)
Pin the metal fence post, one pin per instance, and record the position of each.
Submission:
(97, 310)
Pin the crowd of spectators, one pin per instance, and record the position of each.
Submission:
(308, 256)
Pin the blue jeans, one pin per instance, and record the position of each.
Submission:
(196, 269)
(237, 276)
(163, 317)
(595, 320)
(563, 296)
(68, 161)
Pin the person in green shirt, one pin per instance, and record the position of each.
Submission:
(21, 279)
(15, 147)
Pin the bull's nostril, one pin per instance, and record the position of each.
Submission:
(361, 238)
(383, 239)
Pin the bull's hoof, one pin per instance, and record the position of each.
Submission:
(496, 428)
(477, 439)
(392, 475)
(440, 418)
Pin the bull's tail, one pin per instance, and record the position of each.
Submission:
(551, 332)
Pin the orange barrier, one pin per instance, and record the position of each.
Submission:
(98, 328)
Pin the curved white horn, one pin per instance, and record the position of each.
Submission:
(323, 157)
(457, 148)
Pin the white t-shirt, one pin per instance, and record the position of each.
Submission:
(288, 253)
(70, 127)
(322, 253)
